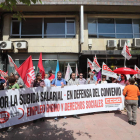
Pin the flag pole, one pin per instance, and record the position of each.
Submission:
(124, 62)
(125, 56)
(37, 70)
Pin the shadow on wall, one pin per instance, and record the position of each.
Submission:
(37, 131)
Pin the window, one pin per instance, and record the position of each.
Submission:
(70, 29)
(113, 28)
(124, 26)
(31, 26)
(43, 28)
(106, 26)
(54, 27)
(15, 29)
(92, 27)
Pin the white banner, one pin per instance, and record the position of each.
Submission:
(138, 70)
(107, 71)
(23, 105)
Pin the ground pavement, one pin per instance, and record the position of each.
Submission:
(98, 126)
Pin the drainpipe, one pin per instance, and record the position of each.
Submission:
(81, 24)
(81, 32)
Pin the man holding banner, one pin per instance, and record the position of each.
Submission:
(91, 80)
(73, 81)
(59, 81)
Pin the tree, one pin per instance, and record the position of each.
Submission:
(10, 4)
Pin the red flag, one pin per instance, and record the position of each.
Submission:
(26, 71)
(40, 65)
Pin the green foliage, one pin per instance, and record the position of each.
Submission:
(10, 4)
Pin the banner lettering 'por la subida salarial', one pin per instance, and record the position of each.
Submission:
(23, 105)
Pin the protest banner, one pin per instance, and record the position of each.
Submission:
(23, 105)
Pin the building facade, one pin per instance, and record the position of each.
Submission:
(71, 32)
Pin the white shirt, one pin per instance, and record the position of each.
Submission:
(47, 82)
(103, 82)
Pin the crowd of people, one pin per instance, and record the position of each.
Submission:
(14, 81)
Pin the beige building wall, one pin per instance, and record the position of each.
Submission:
(48, 45)
(100, 43)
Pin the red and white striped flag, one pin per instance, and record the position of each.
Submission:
(90, 64)
(126, 52)
(3, 74)
(96, 65)
(138, 70)
(76, 71)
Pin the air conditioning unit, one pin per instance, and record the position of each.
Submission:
(21, 45)
(136, 42)
(122, 42)
(111, 43)
(6, 45)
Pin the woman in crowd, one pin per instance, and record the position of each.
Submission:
(123, 80)
(103, 81)
(38, 81)
(131, 93)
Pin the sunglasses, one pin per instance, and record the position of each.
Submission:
(81, 75)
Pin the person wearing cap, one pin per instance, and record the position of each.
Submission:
(81, 80)
(51, 76)
(91, 80)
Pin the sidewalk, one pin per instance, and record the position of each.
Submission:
(100, 126)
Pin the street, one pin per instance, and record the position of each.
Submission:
(98, 126)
